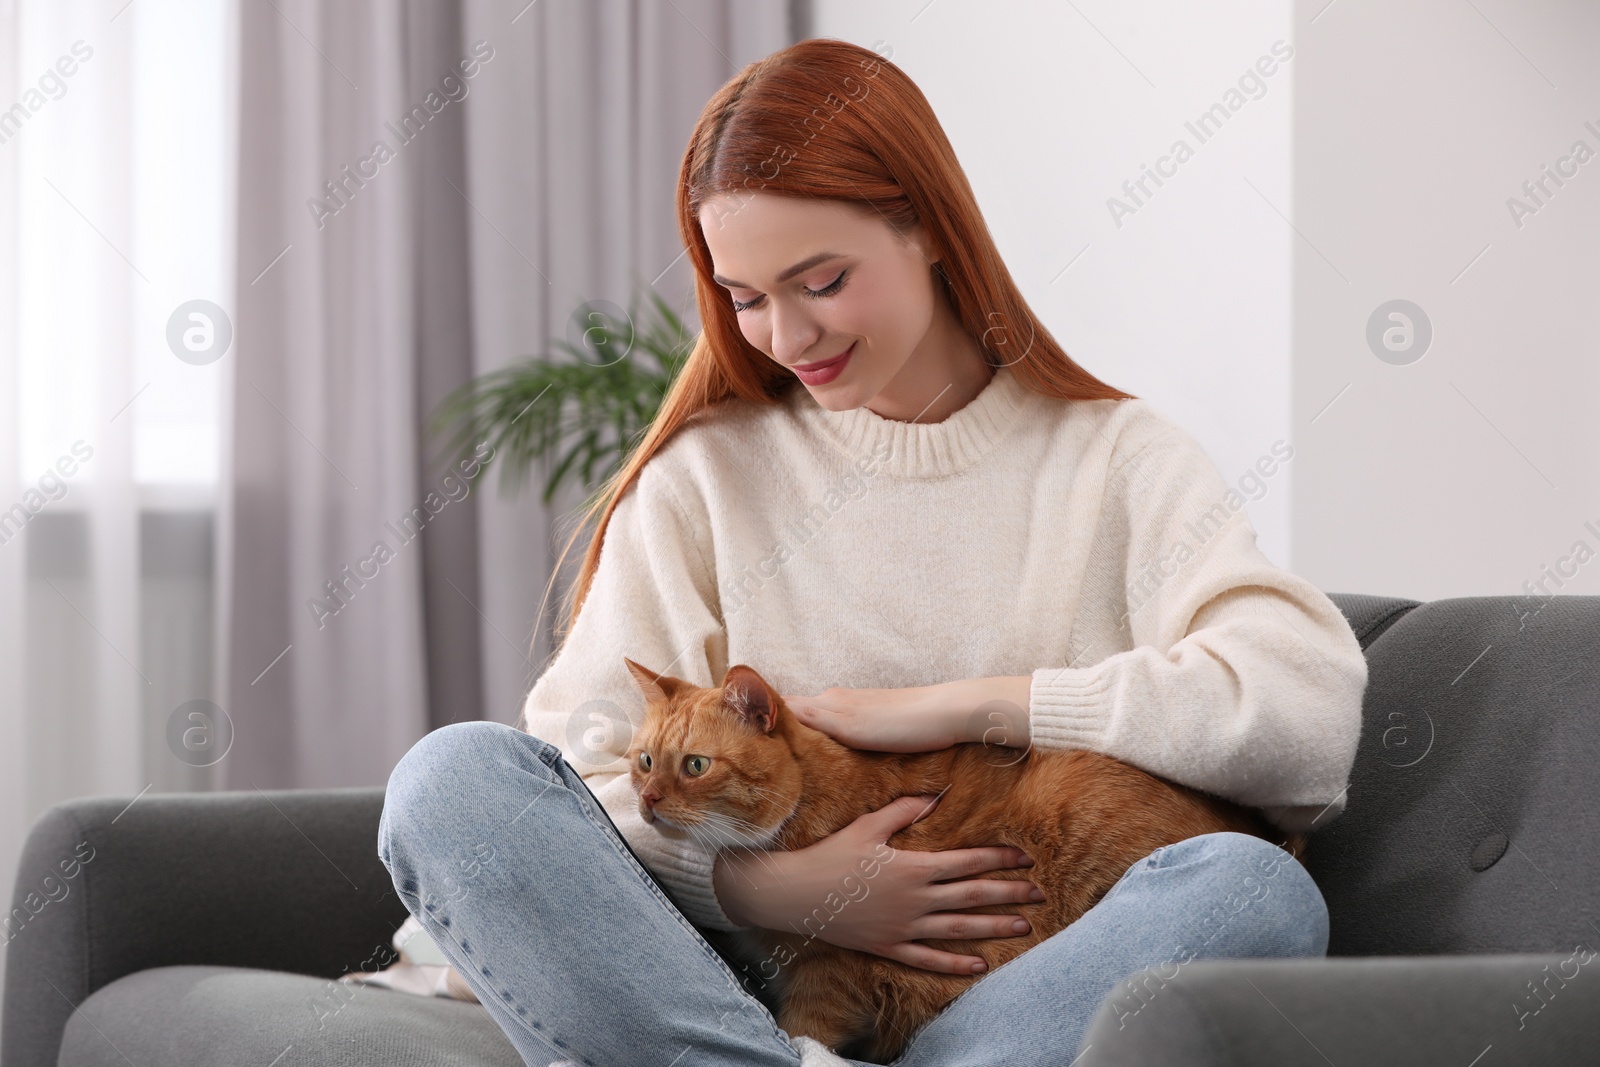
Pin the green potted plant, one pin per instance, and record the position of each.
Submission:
(582, 416)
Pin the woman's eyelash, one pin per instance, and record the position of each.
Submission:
(831, 288)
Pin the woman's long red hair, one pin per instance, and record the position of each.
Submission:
(826, 118)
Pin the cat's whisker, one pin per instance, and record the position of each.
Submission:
(735, 827)
(726, 830)
(710, 836)
(715, 842)
(783, 802)
(768, 864)
(723, 831)
(701, 839)
(765, 861)
(744, 826)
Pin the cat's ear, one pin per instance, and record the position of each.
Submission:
(655, 687)
(746, 694)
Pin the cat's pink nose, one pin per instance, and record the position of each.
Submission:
(650, 797)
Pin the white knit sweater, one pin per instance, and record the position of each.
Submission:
(1089, 544)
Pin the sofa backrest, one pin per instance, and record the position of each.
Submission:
(1473, 811)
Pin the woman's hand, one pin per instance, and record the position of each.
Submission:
(918, 719)
(925, 718)
(874, 898)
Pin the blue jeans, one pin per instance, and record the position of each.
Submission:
(577, 953)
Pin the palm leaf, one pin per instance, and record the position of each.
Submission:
(581, 416)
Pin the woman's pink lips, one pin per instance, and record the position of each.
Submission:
(821, 373)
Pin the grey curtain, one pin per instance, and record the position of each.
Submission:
(427, 190)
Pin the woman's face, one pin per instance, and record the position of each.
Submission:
(859, 289)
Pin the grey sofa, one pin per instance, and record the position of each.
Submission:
(1463, 885)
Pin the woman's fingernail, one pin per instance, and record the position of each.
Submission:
(979, 966)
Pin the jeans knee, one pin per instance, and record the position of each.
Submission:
(443, 757)
(441, 770)
(1250, 872)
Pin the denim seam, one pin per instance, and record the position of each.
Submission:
(607, 831)
(511, 1010)
(1145, 863)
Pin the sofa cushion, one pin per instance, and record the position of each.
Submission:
(1473, 804)
(1427, 1011)
(1369, 616)
(280, 880)
(227, 1016)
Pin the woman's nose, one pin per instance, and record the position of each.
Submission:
(793, 334)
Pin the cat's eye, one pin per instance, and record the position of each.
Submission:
(696, 765)
(644, 761)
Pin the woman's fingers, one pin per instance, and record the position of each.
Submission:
(976, 892)
(970, 862)
(962, 926)
(931, 959)
(949, 897)
(897, 815)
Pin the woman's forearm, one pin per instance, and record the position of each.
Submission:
(990, 710)
(733, 882)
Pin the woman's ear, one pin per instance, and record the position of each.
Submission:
(917, 236)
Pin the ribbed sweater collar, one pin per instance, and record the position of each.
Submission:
(926, 450)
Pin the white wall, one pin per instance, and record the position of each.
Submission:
(1471, 469)
(1406, 128)
(1186, 302)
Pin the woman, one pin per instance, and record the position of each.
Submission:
(881, 482)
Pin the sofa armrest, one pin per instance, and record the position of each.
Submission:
(106, 886)
(1416, 1010)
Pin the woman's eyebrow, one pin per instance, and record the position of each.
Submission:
(799, 268)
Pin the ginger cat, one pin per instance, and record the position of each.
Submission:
(734, 768)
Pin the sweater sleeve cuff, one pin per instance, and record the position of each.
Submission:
(683, 867)
(1069, 707)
